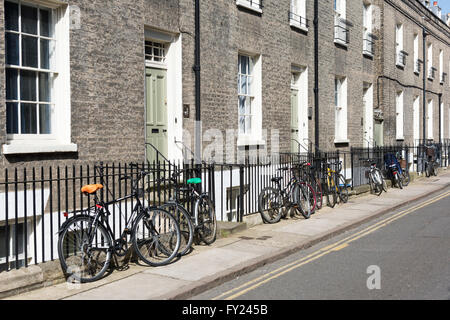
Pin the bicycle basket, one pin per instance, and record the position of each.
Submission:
(430, 152)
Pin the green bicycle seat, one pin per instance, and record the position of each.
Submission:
(194, 181)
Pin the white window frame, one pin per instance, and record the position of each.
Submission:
(254, 136)
(340, 106)
(441, 124)
(368, 42)
(399, 119)
(399, 44)
(430, 119)
(60, 138)
(416, 53)
(255, 5)
(340, 14)
(11, 240)
(297, 16)
(430, 60)
(441, 66)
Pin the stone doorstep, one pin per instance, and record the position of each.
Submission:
(50, 273)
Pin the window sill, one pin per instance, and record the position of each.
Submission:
(298, 26)
(341, 141)
(248, 141)
(244, 4)
(368, 54)
(341, 42)
(37, 147)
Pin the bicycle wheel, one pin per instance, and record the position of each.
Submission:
(185, 224)
(331, 193)
(398, 180)
(435, 169)
(405, 178)
(270, 203)
(377, 180)
(84, 250)
(205, 219)
(318, 191)
(307, 199)
(156, 237)
(342, 188)
(428, 169)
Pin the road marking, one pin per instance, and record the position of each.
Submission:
(339, 245)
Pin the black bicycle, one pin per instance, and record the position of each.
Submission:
(86, 245)
(376, 179)
(202, 222)
(273, 203)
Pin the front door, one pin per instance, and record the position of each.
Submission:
(156, 108)
(368, 117)
(294, 121)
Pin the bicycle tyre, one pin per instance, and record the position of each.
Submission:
(308, 197)
(435, 169)
(398, 180)
(205, 219)
(71, 238)
(406, 178)
(185, 223)
(376, 179)
(331, 195)
(343, 189)
(156, 237)
(319, 193)
(270, 204)
(428, 169)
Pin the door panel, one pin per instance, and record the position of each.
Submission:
(156, 108)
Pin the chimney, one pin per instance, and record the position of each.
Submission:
(435, 3)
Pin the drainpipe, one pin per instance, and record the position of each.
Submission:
(316, 74)
(197, 126)
(440, 115)
(424, 35)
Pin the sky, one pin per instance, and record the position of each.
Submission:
(444, 4)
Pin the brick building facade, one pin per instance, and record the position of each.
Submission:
(260, 54)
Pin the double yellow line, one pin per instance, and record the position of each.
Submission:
(339, 245)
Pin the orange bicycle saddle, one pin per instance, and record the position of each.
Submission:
(91, 188)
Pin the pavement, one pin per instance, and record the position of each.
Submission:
(239, 253)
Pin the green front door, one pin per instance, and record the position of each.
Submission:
(294, 121)
(156, 105)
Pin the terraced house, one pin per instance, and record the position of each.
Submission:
(84, 81)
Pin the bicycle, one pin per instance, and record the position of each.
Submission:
(86, 245)
(309, 175)
(376, 179)
(271, 201)
(431, 163)
(336, 184)
(202, 223)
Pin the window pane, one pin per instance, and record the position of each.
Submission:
(29, 52)
(11, 84)
(12, 118)
(12, 49)
(28, 118)
(248, 124)
(45, 23)
(45, 119)
(44, 87)
(241, 124)
(29, 19)
(47, 53)
(242, 105)
(243, 88)
(243, 62)
(28, 85)
(11, 16)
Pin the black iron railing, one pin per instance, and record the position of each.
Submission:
(34, 200)
(298, 20)
(341, 34)
(368, 46)
(401, 58)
